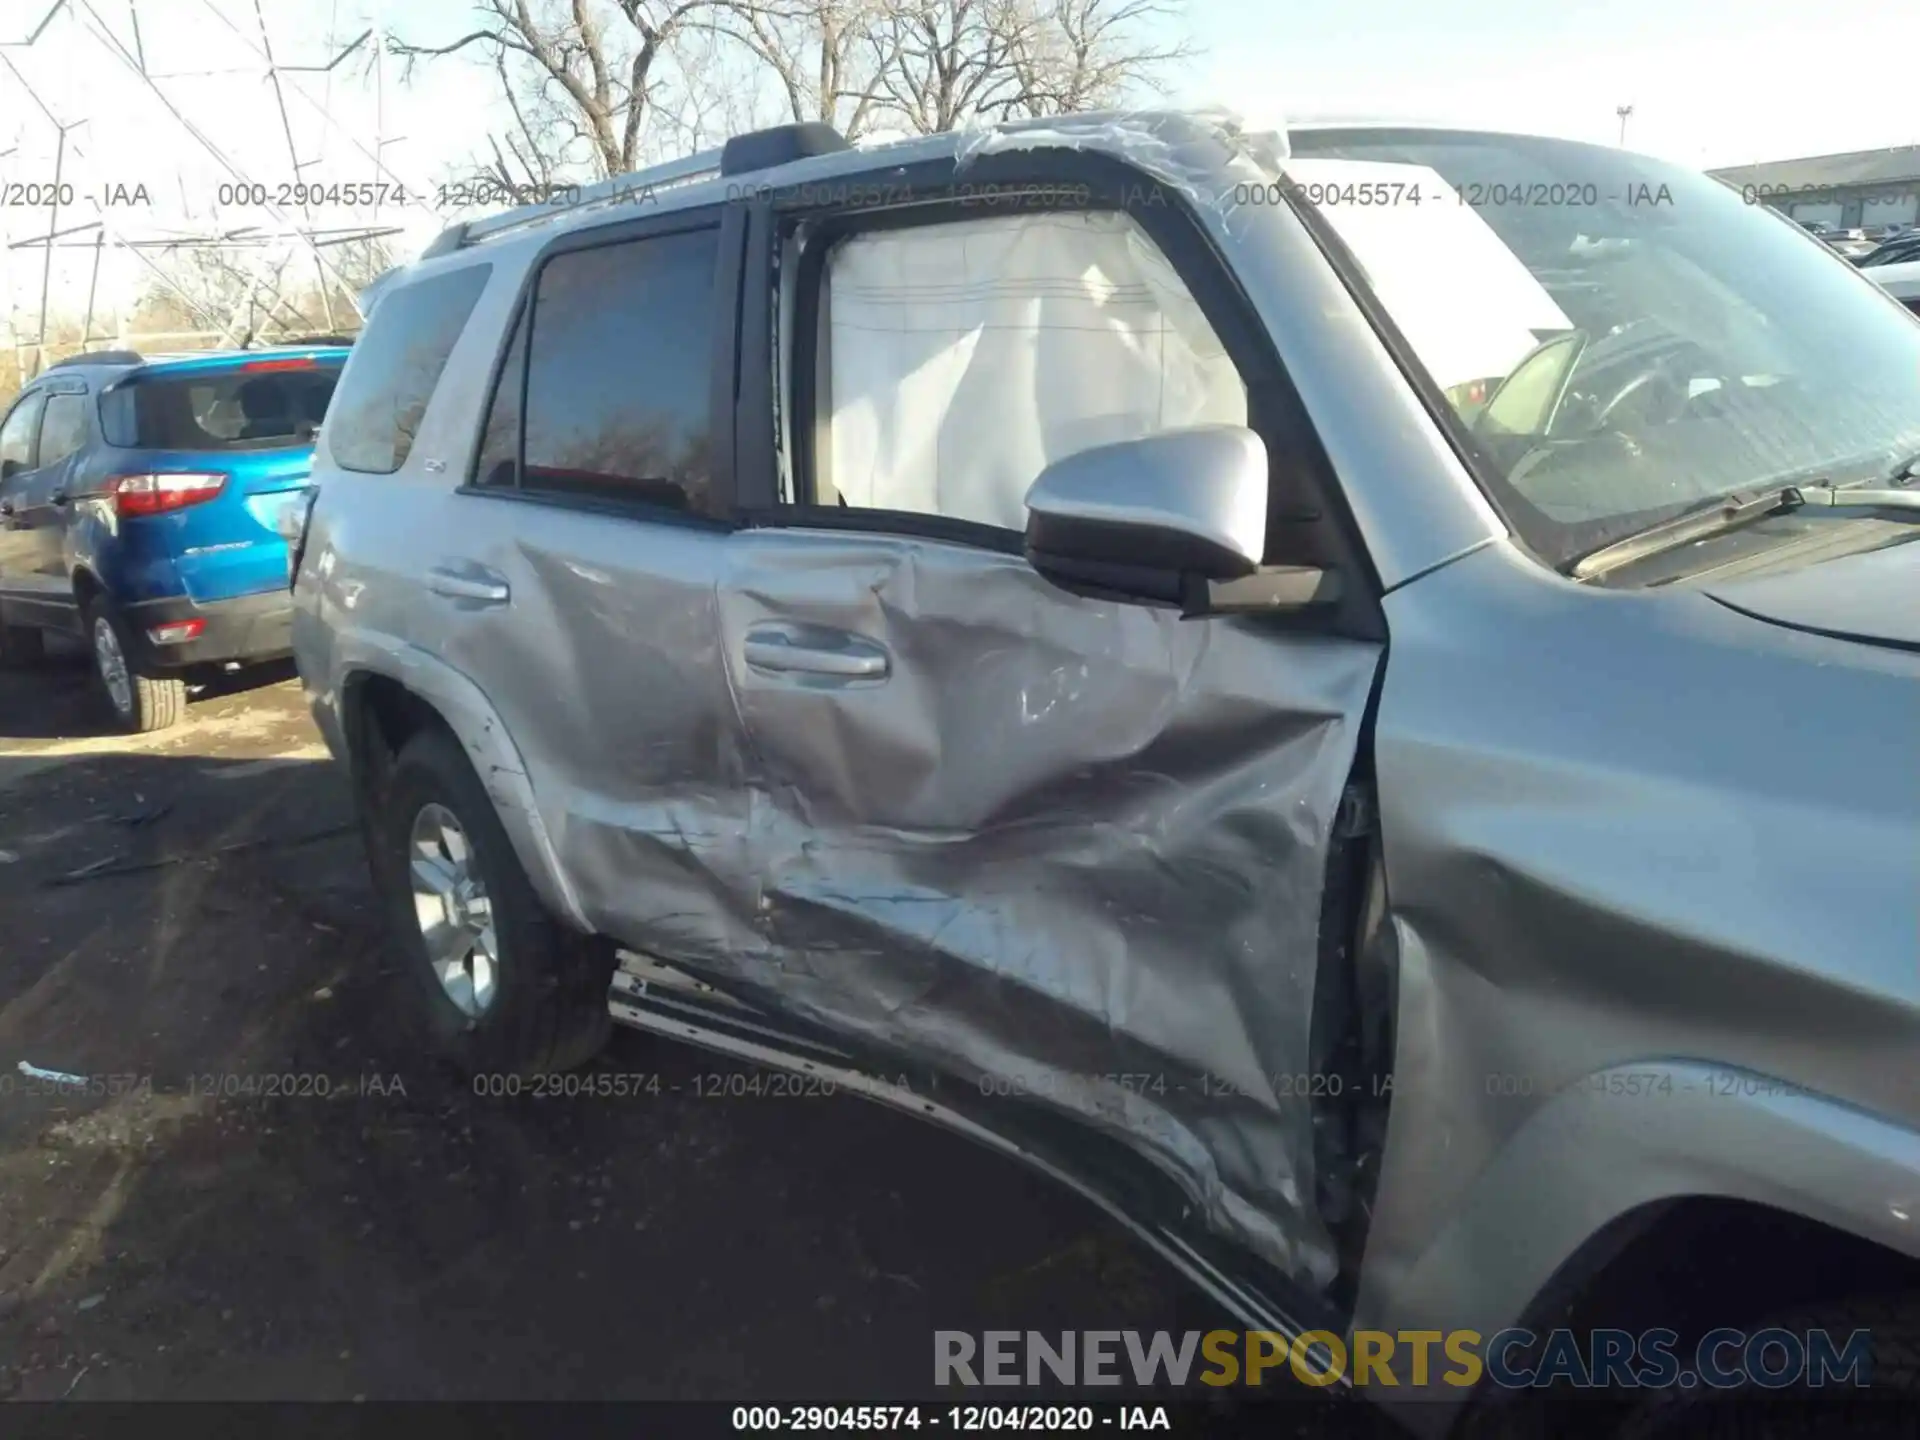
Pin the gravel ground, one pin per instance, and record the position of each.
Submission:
(381, 1231)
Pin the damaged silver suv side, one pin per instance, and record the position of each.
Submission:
(1348, 694)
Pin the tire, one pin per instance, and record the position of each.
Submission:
(1890, 1397)
(139, 702)
(547, 1008)
(22, 645)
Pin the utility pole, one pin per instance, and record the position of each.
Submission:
(1623, 111)
(293, 159)
(53, 229)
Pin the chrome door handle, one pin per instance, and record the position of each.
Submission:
(847, 657)
(456, 586)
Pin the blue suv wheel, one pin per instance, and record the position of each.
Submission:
(140, 702)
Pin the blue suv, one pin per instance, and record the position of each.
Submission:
(145, 504)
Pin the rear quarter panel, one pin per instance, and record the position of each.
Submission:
(222, 549)
(360, 608)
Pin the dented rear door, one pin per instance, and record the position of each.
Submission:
(572, 577)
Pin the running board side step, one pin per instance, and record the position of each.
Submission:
(653, 997)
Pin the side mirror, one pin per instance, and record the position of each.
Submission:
(1178, 518)
(10, 468)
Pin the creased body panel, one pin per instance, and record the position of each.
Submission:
(606, 661)
(1627, 832)
(1061, 843)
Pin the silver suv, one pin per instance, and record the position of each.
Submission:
(1349, 694)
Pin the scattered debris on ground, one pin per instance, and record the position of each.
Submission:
(226, 1174)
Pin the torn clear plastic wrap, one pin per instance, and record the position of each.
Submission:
(1158, 142)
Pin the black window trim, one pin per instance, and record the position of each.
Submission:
(1060, 180)
(728, 222)
(496, 371)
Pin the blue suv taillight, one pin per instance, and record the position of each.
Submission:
(158, 494)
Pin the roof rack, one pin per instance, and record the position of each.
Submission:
(102, 357)
(605, 192)
(756, 150)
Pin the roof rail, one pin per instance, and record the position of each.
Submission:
(636, 185)
(756, 150)
(101, 357)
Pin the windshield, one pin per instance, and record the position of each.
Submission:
(241, 409)
(1622, 339)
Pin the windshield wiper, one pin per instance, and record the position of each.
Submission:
(1858, 497)
(1732, 512)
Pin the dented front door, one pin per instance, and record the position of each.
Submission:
(1059, 847)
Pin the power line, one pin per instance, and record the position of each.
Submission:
(246, 238)
(327, 118)
(105, 225)
(254, 263)
(227, 163)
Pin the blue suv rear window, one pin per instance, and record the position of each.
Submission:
(237, 409)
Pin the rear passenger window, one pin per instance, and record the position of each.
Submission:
(964, 358)
(16, 435)
(63, 429)
(383, 396)
(619, 373)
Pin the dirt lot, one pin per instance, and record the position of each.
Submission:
(396, 1236)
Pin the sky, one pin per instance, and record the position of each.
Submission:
(1711, 82)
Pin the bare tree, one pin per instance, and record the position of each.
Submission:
(208, 288)
(527, 159)
(354, 265)
(1093, 54)
(596, 82)
(824, 58)
(717, 88)
(585, 71)
(940, 63)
